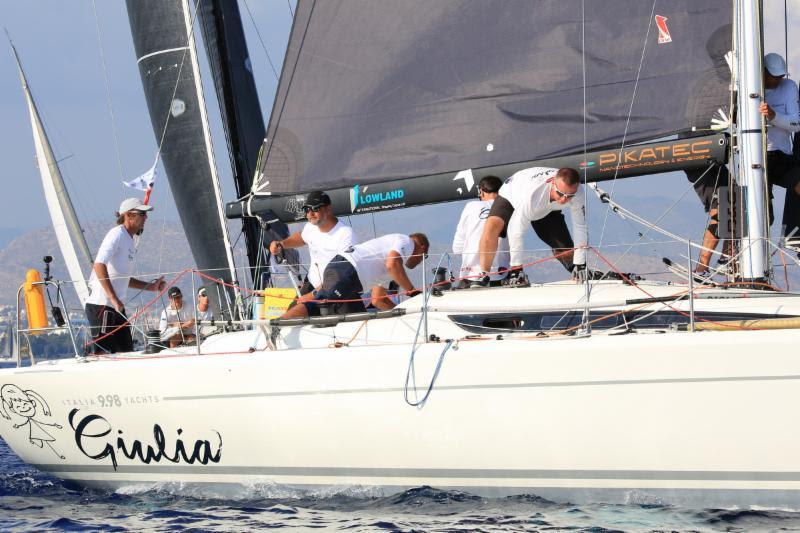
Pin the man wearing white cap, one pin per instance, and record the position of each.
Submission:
(782, 112)
(110, 280)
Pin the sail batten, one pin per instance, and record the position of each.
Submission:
(380, 90)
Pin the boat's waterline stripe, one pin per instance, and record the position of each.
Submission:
(430, 473)
(159, 52)
(663, 381)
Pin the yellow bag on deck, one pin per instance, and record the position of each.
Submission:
(276, 302)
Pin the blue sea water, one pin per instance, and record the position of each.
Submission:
(33, 501)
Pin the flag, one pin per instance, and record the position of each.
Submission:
(144, 182)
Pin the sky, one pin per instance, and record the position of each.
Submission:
(79, 85)
(81, 79)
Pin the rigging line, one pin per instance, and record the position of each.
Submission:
(585, 165)
(374, 230)
(654, 225)
(786, 34)
(177, 81)
(108, 91)
(261, 40)
(289, 3)
(628, 119)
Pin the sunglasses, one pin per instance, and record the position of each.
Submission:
(568, 196)
(203, 295)
(314, 208)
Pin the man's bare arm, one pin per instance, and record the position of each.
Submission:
(101, 271)
(157, 285)
(295, 240)
(394, 265)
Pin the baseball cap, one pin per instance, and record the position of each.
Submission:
(174, 291)
(129, 204)
(775, 64)
(202, 292)
(316, 199)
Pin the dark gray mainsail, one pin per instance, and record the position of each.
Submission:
(379, 90)
(164, 43)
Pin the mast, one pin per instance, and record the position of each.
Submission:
(754, 262)
(68, 231)
(220, 205)
(167, 59)
(232, 70)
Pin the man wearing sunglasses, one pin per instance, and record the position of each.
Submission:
(111, 277)
(537, 196)
(359, 268)
(324, 234)
(782, 113)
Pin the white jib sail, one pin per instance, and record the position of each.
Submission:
(65, 222)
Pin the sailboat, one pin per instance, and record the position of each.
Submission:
(616, 397)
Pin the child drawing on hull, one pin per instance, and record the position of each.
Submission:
(26, 404)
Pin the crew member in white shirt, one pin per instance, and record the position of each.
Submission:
(111, 277)
(324, 234)
(537, 196)
(360, 267)
(204, 313)
(467, 238)
(177, 326)
(782, 112)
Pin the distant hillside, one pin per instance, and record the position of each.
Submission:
(163, 249)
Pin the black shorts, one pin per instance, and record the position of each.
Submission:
(783, 170)
(305, 288)
(102, 320)
(707, 184)
(552, 228)
(339, 282)
(502, 208)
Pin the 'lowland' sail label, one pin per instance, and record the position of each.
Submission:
(362, 201)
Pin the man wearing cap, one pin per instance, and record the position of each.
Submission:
(204, 313)
(782, 112)
(361, 267)
(176, 328)
(467, 238)
(111, 277)
(324, 234)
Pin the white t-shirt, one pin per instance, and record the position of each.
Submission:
(529, 192)
(323, 246)
(467, 238)
(117, 252)
(369, 258)
(204, 315)
(171, 316)
(783, 100)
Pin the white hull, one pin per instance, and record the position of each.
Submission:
(676, 417)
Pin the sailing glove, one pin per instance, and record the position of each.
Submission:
(580, 273)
